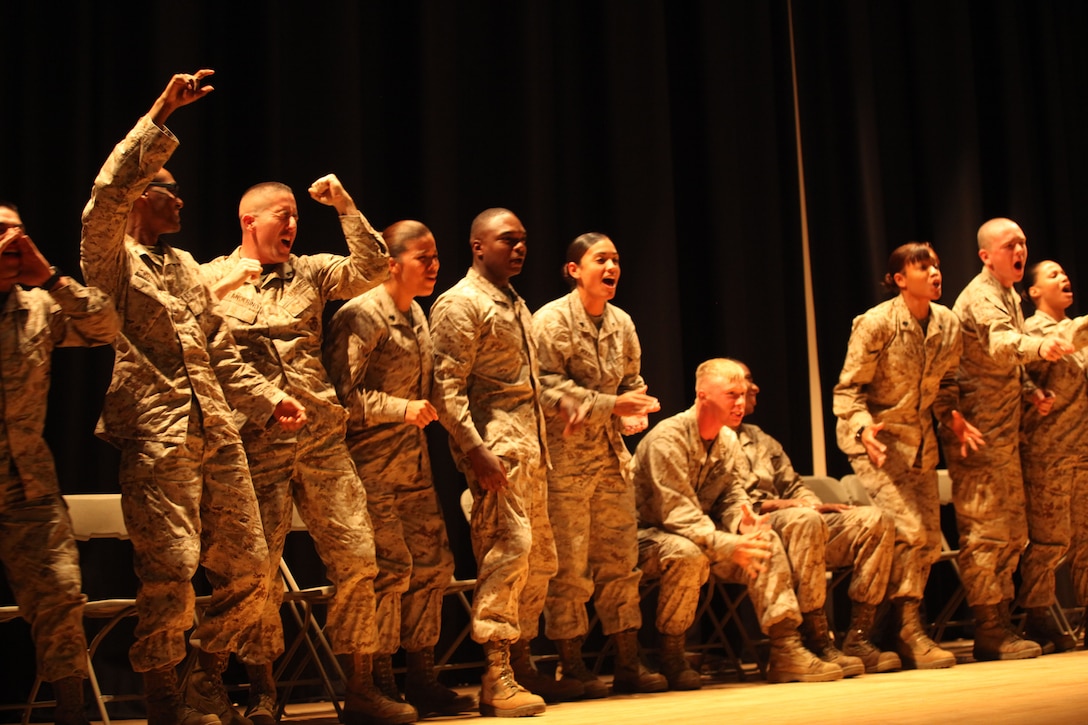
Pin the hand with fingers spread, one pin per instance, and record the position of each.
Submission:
(181, 90)
(967, 434)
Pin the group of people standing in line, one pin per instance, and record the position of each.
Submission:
(231, 407)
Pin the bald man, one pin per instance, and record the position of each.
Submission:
(273, 301)
(988, 486)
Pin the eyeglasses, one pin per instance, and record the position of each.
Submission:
(170, 186)
(4, 226)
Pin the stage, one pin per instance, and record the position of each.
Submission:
(1052, 689)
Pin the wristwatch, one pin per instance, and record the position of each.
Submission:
(54, 277)
(857, 436)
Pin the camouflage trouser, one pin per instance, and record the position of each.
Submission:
(415, 564)
(188, 504)
(41, 563)
(859, 538)
(596, 541)
(314, 472)
(683, 568)
(1057, 510)
(515, 553)
(911, 497)
(988, 490)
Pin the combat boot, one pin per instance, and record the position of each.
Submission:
(165, 705)
(365, 704)
(629, 673)
(429, 696)
(1045, 632)
(572, 666)
(791, 662)
(68, 692)
(384, 679)
(859, 643)
(674, 664)
(204, 689)
(916, 649)
(817, 639)
(995, 641)
(262, 695)
(500, 693)
(551, 689)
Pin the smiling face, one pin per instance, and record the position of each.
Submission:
(1003, 248)
(269, 219)
(597, 273)
(1051, 290)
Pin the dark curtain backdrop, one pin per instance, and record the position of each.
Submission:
(920, 120)
(667, 125)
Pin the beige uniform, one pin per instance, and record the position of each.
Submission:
(590, 504)
(277, 325)
(186, 492)
(379, 359)
(1055, 458)
(486, 392)
(988, 486)
(899, 374)
(861, 538)
(684, 489)
(39, 555)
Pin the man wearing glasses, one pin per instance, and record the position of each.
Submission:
(187, 495)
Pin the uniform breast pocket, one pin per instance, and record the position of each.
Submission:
(238, 308)
(36, 346)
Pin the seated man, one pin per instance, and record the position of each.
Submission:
(817, 536)
(684, 476)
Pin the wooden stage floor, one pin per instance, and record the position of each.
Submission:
(1052, 689)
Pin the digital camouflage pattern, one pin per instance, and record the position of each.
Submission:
(1055, 459)
(39, 555)
(590, 503)
(277, 323)
(860, 538)
(485, 390)
(684, 491)
(900, 374)
(379, 359)
(183, 470)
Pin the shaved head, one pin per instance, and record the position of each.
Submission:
(257, 197)
(483, 219)
(994, 229)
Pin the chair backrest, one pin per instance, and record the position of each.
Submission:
(96, 516)
(466, 504)
(944, 486)
(856, 493)
(828, 488)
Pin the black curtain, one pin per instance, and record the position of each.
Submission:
(667, 125)
(920, 120)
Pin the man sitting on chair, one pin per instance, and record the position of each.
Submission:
(818, 536)
(684, 476)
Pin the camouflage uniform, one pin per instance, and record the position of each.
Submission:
(683, 492)
(186, 492)
(486, 393)
(1055, 457)
(380, 358)
(590, 504)
(894, 373)
(861, 538)
(277, 325)
(36, 545)
(988, 486)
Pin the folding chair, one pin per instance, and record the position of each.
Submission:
(310, 638)
(93, 516)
